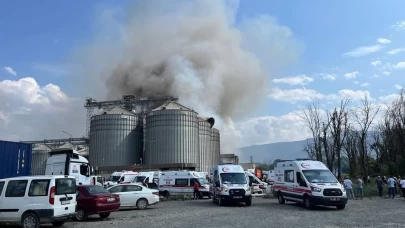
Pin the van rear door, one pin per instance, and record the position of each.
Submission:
(64, 196)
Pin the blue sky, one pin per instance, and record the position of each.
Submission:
(37, 40)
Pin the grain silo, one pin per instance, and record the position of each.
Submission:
(206, 152)
(115, 139)
(172, 137)
(215, 147)
(38, 162)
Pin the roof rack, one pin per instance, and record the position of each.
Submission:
(304, 159)
(227, 164)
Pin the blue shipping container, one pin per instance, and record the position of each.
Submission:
(15, 159)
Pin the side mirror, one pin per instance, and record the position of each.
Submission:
(217, 184)
(250, 184)
(302, 183)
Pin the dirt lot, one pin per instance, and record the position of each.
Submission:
(263, 213)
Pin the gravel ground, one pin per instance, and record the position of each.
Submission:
(263, 213)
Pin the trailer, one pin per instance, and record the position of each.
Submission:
(15, 159)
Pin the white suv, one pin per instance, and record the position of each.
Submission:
(33, 200)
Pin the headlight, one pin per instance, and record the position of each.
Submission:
(247, 189)
(224, 190)
(315, 189)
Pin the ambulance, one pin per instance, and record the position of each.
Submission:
(123, 177)
(230, 183)
(182, 182)
(258, 186)
(308, 182)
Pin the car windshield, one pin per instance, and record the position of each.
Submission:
(202, 181)
(139, 179)
(114, 178)
(319, 176)
(96, 190)
(233, 178)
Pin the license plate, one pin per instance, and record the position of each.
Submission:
(65, 202)
(335, 199)
(110, 199)
(237, 197)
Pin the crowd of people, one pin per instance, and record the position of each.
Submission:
(396, 186)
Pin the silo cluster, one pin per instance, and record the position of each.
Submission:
(170, 136)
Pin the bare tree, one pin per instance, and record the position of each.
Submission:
(312, 118)
(338, 129)
(364, 117)
(350, 146)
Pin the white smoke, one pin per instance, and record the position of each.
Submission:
(192, 50)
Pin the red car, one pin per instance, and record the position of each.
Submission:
(93, 199)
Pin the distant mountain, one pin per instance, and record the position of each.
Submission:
(273, 151)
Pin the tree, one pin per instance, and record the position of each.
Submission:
(338, 125)
(364, 117)
(350, 146)
(312, 118)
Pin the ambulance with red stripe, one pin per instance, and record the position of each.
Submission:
(182, 182)
(230, 183)
(308, 182)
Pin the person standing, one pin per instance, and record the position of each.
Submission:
(360, 183)
(380, 185)
(349, 188)
(391, 187)
(196, 186)
(400, 187)
(402, 184)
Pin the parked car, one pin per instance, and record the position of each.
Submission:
(94, 199)
(32, 200)
(135, 195)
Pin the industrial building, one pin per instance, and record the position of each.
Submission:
(140, 133)
(155, 133)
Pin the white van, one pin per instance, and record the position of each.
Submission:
(230, 183)
(258, 186)
(182, 182)
(33, 200)
(308, 182)
(124, 177)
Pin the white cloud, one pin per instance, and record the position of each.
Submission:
(376, 63)
(305, 95)
(10, 70)
(398, 86)
(365, 84)
(383, 41)
(294, 95)
(270, 129)
(400, 25)
(356, 82)
(400, 65)
(395, 51)
(326, 76)
(351, 75)
(30, 111)
(363, 51)
(386, 73)
(296, 80)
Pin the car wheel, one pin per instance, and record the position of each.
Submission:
(280, 198)
(249, 202)
(341, 207)
(220, 202)
(104, 215)
(81, 215)
(307, 203)
(30, 220)
(142, 204)
(58, 223)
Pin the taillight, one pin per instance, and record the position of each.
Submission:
(52, 196)
(155, 193)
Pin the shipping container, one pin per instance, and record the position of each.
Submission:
(15, 159)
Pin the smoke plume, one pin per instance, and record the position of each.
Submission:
(192, 50)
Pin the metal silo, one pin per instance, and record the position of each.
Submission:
(215, 146)
(172, 136)
(38, 162)
(206, 152)
(115, 138)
